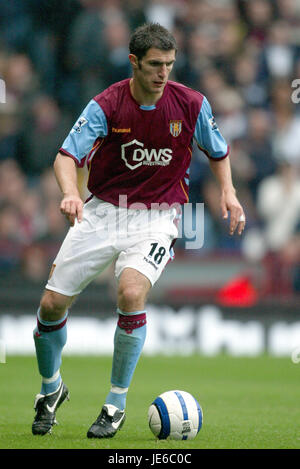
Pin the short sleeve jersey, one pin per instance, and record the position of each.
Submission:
(143, 152)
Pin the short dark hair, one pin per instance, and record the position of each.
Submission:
(151, 35)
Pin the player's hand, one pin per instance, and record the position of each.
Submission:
(72, 207)
(230, 203)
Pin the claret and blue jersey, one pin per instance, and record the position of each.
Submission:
(143, 152)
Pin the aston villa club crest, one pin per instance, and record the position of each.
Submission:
(175, 128)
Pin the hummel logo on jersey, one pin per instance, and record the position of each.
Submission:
(79, 124)
(121, 131)
(134, 154)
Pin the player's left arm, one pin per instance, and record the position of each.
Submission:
(228, 201)
(213, 144)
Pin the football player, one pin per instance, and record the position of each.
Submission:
(136, 138)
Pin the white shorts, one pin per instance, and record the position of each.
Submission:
(140, 239)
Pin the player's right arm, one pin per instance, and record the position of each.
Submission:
(90, 125)
(66, 175)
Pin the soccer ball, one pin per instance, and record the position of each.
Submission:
(175, 415)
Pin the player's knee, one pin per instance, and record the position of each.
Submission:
(52, 307)
(131, 297)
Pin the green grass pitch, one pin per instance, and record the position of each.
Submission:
(247, 402)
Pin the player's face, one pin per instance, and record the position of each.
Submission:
(152, 71)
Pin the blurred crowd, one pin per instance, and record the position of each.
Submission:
(243, 55)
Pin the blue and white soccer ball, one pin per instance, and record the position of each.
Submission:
(175, 415)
